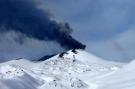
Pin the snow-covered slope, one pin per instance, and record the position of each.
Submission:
(72, 70)
(122, 79)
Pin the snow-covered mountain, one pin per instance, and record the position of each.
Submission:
(75, 69)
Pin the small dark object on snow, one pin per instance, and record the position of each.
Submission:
(74, 51)
(62, 54)
(74, 60)
(18, 58)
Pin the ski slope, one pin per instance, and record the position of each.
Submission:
(74, 70)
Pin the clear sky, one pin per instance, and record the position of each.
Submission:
(107, 27)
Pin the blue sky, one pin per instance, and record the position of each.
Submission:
(106, 26)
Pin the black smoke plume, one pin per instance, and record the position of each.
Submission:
(26, 17)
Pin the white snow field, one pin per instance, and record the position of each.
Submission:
(74, 70)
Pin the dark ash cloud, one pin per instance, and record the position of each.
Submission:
(25, 17)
